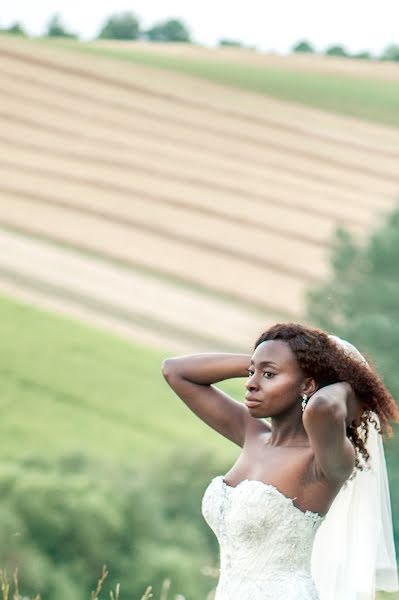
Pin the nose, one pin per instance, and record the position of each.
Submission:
(251, 384)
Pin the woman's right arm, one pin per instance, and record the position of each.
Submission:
(192, 377)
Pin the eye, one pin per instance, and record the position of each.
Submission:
(269, 373)
(250, 372)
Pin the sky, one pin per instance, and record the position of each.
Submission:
(268, 25)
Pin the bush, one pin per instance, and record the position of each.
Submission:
(303, 46)
(120, 26)
(61, 520)
(56, 28)
(336, 51)
(16, 29)
(169, 31)
(391, 53)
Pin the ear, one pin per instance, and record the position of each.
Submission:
(309, 386)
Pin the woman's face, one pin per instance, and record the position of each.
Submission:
(275, 379)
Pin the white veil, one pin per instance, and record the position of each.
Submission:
(353, 553)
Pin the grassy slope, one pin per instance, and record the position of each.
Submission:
(363, 98)
(67, 387)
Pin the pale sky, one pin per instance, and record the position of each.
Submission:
(276, 26)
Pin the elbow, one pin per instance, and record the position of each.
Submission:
(323, 405)
(168, 368)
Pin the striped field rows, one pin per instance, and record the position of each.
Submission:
(186, 213)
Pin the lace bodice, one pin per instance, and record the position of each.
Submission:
(265, 541)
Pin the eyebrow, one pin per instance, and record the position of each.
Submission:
(265, 362)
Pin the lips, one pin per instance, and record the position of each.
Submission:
(251, 402)
(251, 398)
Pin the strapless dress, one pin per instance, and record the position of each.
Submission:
(265, 541)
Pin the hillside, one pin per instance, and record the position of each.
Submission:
(176, 211)
(68, 389)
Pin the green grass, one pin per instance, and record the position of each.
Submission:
(364, 98)
(67, 387)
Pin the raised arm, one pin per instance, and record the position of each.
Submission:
(192, 377)
(328, 413)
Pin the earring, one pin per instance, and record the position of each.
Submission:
(304, 401)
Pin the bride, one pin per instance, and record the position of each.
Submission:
(304, 513)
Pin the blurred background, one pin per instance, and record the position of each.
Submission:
(175, 179)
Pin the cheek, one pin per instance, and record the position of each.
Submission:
(284, 387)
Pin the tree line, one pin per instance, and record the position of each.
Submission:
(126, 26)
(119, 26)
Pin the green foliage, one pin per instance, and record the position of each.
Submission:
(232, 43)
(391, 52)
(363, 55)
(56, 28)
(172, 30)
(303, 46)
(16, 29)
(336, 51)
(129, 464)
(360, 303)
(120, 26)
(61, 520)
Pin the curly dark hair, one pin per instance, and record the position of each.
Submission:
(321, 358)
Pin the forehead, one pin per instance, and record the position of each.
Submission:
(276, 351)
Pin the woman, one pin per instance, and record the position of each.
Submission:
(321, 399)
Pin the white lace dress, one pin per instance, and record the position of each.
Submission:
(265, 541)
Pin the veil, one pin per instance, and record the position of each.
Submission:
(353, 554)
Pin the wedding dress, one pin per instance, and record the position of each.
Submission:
(265, 541)
(271, 549)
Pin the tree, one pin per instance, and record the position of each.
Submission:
(120, 26)
(16, 29)
(172, 30)
(360, 303)
(303, 46)
(56, 28)
(391, 52)
(336, 51)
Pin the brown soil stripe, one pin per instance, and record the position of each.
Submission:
(81, 72)
(311, 257)
(187, 240)
(128, 316)
(268, 162)
(347, 165)
(228, 218)
(303, 185)
(328, 211)
(130, 290)
(258, 286)
(117, 326)
(209, 300)
(265, 200)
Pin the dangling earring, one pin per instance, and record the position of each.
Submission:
(304, 401)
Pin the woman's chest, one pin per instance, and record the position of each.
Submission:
(284, 467)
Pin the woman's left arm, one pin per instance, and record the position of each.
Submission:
(340, 394)
(326, 417)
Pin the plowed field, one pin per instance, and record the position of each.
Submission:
(180, 212)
